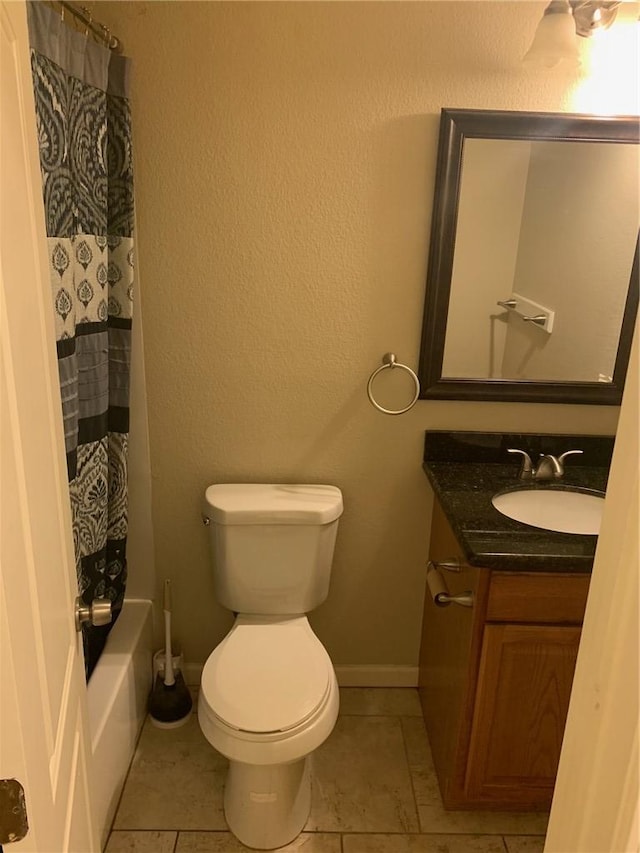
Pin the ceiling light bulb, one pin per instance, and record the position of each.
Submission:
(555, 39)
(593, 15)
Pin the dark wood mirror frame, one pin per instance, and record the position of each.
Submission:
(455, 127)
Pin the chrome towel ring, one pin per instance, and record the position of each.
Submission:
(389, 360)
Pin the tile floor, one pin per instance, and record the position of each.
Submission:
(374, 791)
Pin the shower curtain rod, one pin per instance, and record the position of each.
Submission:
(85, 17)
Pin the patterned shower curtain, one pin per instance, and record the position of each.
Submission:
(84, 131)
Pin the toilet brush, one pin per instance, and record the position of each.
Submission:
(169, 701)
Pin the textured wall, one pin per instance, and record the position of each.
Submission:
(285, 169)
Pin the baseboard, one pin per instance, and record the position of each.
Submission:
(373, 675)
(348, 675)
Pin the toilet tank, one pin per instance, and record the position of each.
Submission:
(272, 545)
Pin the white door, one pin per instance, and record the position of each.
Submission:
(43, 722)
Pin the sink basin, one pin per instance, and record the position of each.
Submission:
(561, 510)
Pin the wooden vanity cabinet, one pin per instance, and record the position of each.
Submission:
(495, 680)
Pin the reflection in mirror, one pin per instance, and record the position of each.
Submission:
(556, 226)
(533, 247)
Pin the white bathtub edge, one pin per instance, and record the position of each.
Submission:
(117, 701)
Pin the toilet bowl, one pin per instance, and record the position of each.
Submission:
(269, 696)
(268, 699)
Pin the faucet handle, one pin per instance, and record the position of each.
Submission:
(549, 466)
(568, 453)
(526, 470)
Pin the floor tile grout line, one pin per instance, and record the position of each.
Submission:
(350, 832)
(413, 787)
(470, 833)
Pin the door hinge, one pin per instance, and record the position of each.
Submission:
(13, 811)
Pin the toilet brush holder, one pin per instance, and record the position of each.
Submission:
(159, 663)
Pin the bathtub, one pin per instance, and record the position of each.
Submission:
(117, 700)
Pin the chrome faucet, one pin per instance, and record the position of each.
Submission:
(526, 469)
(549, 467)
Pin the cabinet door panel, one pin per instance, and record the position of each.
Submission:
(521, 706)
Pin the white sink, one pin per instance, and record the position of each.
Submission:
(553, 509)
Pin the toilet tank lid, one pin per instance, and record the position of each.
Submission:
(265, 503)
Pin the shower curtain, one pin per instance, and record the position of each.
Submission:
(84, 135)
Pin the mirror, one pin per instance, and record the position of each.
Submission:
(532, 286)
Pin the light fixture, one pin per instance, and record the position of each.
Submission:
(592, 15)
(555, 39)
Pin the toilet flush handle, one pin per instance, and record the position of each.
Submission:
(206, 520)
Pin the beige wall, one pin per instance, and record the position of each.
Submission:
(285, 157)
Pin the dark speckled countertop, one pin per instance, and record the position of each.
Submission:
(466, 469)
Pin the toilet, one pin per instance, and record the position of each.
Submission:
(269, 696)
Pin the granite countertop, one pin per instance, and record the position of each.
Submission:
(467, 469)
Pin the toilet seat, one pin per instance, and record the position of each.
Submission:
(268, 675)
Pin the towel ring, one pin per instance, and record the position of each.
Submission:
(389, 360)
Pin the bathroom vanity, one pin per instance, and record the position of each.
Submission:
(496, 676)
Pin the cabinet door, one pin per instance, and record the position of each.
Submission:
(449, 656)
(524, 684)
